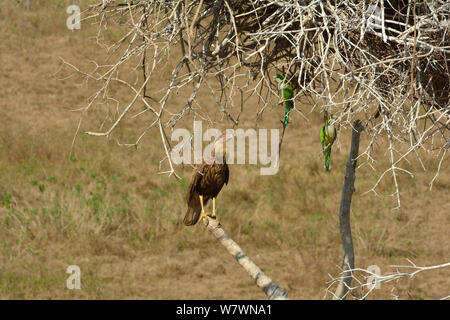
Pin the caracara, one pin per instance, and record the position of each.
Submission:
(206, 182)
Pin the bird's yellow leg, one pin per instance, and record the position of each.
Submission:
(203, 213)
(213, 214)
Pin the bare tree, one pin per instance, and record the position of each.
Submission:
(385, 63)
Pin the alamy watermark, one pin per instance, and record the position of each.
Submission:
(257, 147)
(74, 20)
(74, 280)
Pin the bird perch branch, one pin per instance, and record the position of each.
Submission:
(272, 290)
(348, 262)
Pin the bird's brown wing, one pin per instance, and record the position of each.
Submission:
(227, 173)
(193, 200)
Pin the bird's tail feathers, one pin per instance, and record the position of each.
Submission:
(193, 212)
(191, 216)
(289, 106)
(327, 158)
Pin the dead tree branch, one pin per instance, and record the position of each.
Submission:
(350, 58)
(348, 261)
(367, 280)
(266, 284)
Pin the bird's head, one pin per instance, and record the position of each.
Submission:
(332, 119)
(220, 144)
(279, 77)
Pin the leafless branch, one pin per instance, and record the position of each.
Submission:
(367, 280)
(270, 288)
(351, 58)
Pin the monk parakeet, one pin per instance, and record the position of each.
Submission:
(327, 137)
(286, 93)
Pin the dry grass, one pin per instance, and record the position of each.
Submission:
(105, 208)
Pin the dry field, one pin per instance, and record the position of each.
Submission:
(106, 209)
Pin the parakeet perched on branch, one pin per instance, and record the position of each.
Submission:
(327, 136)
(286, 93)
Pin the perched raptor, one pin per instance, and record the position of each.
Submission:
(286, 93)
(327, 137)
(206, 182)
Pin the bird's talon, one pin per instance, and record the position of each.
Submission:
(213, 216)
(204, 215)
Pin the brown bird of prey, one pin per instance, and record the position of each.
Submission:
(206, 182)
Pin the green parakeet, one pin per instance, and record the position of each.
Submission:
(286, 93)
(327, 137)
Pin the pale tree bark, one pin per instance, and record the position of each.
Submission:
(272, 290)
(348, 261)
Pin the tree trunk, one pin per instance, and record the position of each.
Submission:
(348, 262)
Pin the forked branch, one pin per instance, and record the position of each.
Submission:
(368, 280)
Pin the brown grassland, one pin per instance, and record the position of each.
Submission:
(107, 210)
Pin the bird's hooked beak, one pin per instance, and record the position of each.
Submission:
(276, 78)
(220, 148)
(227, 137)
